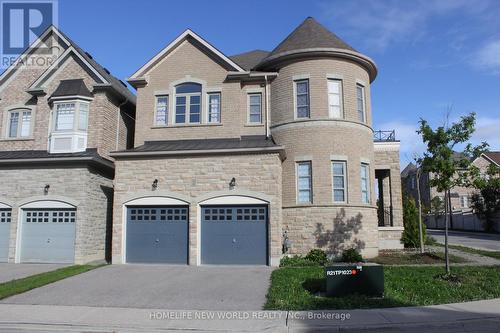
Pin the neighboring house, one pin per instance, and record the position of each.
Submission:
(460, 196)
(58, 123)
(233, 155)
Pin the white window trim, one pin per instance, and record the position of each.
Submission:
(344, 163)
(155, 124)
(464, 203)
(341, 97)
(295, 106)
(368, 180)
(297, 163)
(363, 95)
(7, 114)
(207, 109)
(261, 108)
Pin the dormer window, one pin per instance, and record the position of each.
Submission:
(188, 103)
(70, 124)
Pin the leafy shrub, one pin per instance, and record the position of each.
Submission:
(296, 261)
(351, 255)
(318, 256)
(411, 234)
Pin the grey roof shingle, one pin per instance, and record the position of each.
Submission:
(310, 35)
(494, 156)
(22, 156)
(74, 87)
(248, 60)
(117, 84)
(245, 142)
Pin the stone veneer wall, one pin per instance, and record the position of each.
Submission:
(76, 184)
(387, 158)
(189, 178)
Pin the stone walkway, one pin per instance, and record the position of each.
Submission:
(474, 259)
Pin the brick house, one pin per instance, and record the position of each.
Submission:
(460, 197)
(236, 156)
(58, 122)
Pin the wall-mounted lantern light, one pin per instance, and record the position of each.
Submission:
(154, 186)
(232, 183)
(46, 189)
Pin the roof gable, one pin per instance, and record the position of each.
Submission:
(493, 156)
(173, 45)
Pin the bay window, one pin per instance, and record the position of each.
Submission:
(70, 125)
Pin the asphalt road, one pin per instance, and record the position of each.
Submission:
(157, 286)
(476, 240)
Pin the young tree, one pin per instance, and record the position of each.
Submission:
(413, 231)
(487, 201)
(448, 168)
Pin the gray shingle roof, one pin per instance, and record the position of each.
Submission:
(310, 35)
(248, 60)
(23, 156)
(494, 156)
(74, 87)
(207, 144)
(117, 84)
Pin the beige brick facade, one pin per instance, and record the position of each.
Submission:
(89, 189)
(194, 180)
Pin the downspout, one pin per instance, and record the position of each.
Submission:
(268, 129)
(118, 122)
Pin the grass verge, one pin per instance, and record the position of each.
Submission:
(412, 258)
(19, 286)
(404, 286)
(491, 254)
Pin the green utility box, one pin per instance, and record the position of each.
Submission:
(347, 279)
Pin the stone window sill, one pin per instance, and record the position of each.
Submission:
(17, 139)
(186, 125)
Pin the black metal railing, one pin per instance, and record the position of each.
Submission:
(380, 136)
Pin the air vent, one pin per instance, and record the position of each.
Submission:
(123, 83)
(89, 55)
(106, 70)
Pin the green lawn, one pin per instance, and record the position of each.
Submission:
(19, 286)
(404, 286)
(412, 258)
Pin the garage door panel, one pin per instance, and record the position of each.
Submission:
(157, 235)
(5, 222)
(48, 235)
(234, 235)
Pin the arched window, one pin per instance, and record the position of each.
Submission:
(19, 123)
(188, 103)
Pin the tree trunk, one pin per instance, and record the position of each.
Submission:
(447, 218)
(451, 210)
(421, 233)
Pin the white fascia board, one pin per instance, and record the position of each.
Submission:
(141, 72)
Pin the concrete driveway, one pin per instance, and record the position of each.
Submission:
(159, 287)
(10, 272)
(478, 240)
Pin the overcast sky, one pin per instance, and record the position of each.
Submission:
(432, 55)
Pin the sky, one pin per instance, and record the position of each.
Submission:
(435, 57)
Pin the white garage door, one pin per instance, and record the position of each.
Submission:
(48, 235)
(5, 217)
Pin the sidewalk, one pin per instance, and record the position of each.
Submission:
(480, 316)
